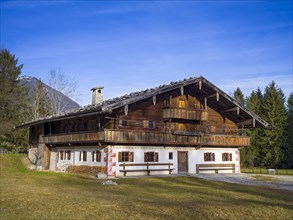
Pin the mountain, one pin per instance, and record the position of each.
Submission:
(31, 83)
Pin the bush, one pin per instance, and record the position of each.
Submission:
(89, 170)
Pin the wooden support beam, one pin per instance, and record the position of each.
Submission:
(205, 103)
(154, 100)
(126, 109)
(182, 90)
(231, 109)
(200, 85)
(253, 122)
(214, 95)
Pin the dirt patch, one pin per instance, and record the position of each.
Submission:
(272, 181)
(88, 170)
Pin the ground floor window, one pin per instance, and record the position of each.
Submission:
(170, 155)
(209, 156)
(151, 157)
(96, 156)
(64, 155)
(61, 155)
(226, 156)
(68, 155)
(82, 156)
(125, 156)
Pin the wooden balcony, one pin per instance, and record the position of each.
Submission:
(185, 113)
(112, 136)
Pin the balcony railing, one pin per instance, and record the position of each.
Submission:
(148, 137)
(185, 113)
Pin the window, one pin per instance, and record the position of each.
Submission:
(124, 123)
(61, 155)
(209, 156)
(125, 156)
(82, 156)
(170, 155)
(68, 155)
(148, 124)
(226, 156)
(151, 157)
(96, 156)
(182, 103)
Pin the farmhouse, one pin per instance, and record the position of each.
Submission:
(189, 126)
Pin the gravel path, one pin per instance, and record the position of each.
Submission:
(272, 181)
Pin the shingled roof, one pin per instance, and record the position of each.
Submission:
(109, 105)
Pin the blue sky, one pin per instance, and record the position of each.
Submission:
(133, 45)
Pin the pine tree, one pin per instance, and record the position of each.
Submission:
(12, 102)
(275, 115)
(250, 156)
(238, 95)
(288, 149)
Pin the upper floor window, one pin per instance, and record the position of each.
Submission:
(151, 157)
(226, 156)
(124, 123)
(148, 124)
(182, 103)
(209, 156)
(125, 156)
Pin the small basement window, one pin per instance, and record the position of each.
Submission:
(170, 155)
(209, 156)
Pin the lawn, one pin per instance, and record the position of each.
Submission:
(265, 171)
(29, 194)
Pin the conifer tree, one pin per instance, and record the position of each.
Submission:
(12, 102)
(288, 149)
(238, 95)
(275, 115)
(250, 156)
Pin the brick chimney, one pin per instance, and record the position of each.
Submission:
(97, 95)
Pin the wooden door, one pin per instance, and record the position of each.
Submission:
(182, 162)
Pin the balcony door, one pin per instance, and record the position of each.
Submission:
(182, 162)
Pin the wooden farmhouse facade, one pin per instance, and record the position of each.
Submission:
(189, 126)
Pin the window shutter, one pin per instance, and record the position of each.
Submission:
(223, 156)
(119, 156)
(84, 156)
(205, 157)
(98, 156)
(156, 159)
(145, 157)
(68, 155)
(79, 155)
(230, 159)
(213, 156)
(131, 156)
(93, 156)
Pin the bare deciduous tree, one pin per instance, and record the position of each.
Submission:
(61, 85)
(40, 102)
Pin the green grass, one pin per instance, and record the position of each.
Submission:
(265, 171)
(29, 194)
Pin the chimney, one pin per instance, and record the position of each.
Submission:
(97, 95)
